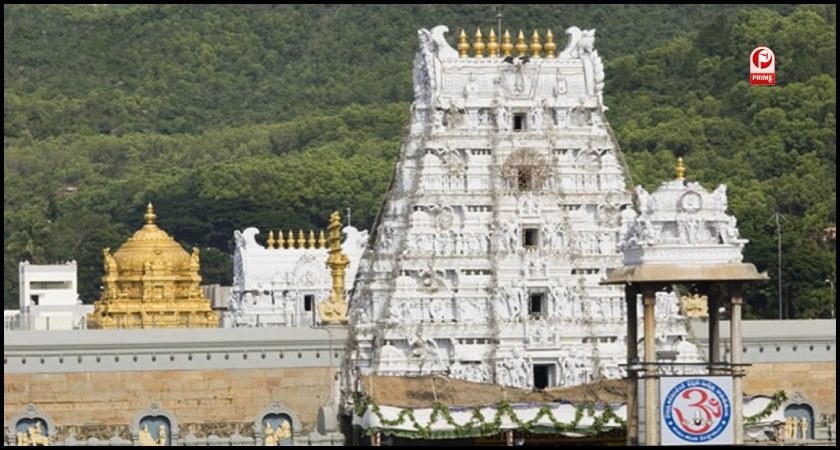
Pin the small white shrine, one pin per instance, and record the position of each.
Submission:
(283, 282)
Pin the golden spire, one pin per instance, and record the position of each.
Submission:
(521, 46)
(549, 44)
(478, 44)
(463, 46)
(334, 310)
(322, 241)
(150, 215)
(280, 243)
(536, 46)
(507, 47)
(270, 241)
(311, 239)
(680, 169)
(492, 45)
(291, 239)
(301, 241)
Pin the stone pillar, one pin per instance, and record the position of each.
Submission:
(651, 406)
(714, 332)
(737, 373)
(630, 293)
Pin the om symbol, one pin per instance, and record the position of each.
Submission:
(696, 410)
(706, 411)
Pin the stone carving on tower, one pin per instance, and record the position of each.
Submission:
(285, 282)
(151, 282)
(504, 213)
(682, 221)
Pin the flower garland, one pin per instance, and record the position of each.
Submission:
(775, 402)
(478, 425)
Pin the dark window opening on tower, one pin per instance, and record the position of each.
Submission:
(537, 304)
(519, 122)
(307, 302)
(523, 178)
(531, 237)
(542, 376)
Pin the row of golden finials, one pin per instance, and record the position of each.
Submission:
(300, 243)
(506, 47)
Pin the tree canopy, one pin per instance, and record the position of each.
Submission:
(272, 116)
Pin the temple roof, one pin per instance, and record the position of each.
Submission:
(419, 392)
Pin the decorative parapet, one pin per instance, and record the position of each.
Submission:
(577, 67)
(681, 222)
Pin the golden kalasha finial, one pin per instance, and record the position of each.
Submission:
(291, 239)
(492, 45)
(280, 243)
(322, 241)
(549, 46)
(521, 46)
(311, 239)
(270, 241)
(478, 44)
(680, 169)
(463, 45)
(507, 47)
(301, 242)
(536, 46)
(150, 215)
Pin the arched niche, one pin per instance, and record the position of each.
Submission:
(155, 427)
(276, 425)
(800, 407)
(31, 427)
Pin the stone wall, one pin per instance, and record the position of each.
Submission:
(92, 387)
(199, 396)
(816, 381)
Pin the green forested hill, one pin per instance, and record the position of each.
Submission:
(272, 116)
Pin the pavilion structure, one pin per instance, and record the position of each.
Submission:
(681, 236)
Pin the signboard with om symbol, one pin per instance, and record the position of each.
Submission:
(696, 410)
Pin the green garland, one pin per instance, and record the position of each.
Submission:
(775, 402)
(478, 425)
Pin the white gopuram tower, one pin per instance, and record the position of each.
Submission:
(503, 215)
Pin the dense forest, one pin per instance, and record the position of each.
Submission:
(272, 116)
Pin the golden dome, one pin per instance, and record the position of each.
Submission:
(150, 243)
(151, 282)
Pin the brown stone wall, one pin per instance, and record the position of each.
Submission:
(114, 398)
(817, 380)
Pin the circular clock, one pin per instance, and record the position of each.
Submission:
(691, 202)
